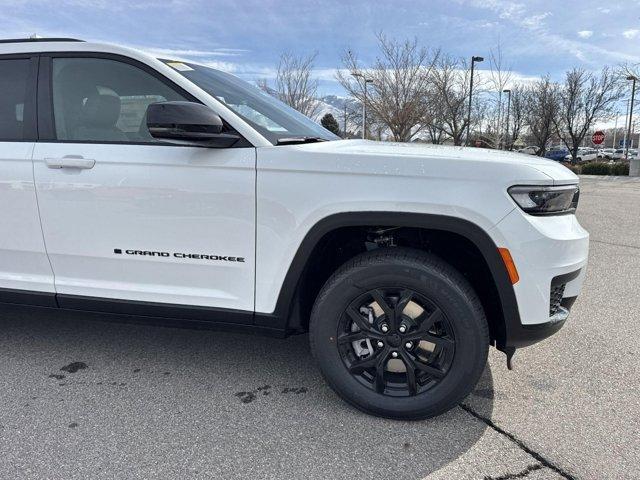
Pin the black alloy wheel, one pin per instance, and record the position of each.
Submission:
(396, 341)
(399, 333)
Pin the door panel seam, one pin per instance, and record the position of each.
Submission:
(44, 241)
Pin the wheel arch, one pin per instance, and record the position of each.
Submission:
(287, 311)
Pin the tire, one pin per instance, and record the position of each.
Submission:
(446, 361)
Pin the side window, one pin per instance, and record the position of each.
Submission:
(103, 100)
(14, 76)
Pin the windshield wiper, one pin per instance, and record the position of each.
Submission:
(294, 140)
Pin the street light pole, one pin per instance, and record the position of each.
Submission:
(633, 93)
(624, 129)
(365, 81)
(508, 92)
(499, 124)
(474, 59)
(344, 130)
(364, 108)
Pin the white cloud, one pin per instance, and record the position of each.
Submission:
(585, 33)
(108, 5)
(535, 21)
(514, 78)
(631, 33)
(604, 10)
(546, 37)
(454, 22)
(507, 9)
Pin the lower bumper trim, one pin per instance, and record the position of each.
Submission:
(525, 335)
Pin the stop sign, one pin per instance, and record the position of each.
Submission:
(598, 137)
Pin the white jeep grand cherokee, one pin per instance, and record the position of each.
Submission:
(150, 187)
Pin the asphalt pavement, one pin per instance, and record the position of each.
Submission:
(83, 398)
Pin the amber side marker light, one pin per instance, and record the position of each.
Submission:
(509, 265)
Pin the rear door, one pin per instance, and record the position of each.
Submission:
(126, 217)
(25, 273)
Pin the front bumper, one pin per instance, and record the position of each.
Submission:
(551, 255)
(519, 335)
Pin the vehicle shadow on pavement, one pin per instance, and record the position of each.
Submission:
(166, 402)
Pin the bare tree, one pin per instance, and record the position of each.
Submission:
(294, 84)
(499, 79)
(350, 118)
(540, 112)
(629, 69)
(449, 96)
(434, 130)
(399, 81)
(515, 116)
(376, 127)
(584, 98)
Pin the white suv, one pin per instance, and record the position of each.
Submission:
(584, 155)
(157, 188)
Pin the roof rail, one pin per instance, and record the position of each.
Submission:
(27, 40)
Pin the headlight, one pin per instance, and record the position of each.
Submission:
(540, 200)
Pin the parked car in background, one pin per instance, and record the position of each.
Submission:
(584, 155)
(618, 154)
(557, 153)
(606, 153)
(530, 150)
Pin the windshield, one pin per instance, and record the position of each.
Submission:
(269, 116)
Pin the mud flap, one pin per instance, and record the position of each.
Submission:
(509, 352)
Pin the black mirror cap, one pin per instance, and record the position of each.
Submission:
(187, 123)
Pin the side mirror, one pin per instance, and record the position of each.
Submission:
(187, 123)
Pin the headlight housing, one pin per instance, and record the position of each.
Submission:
(541, 200)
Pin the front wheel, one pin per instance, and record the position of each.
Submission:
(399, 333)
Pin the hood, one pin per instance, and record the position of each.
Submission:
(422, 155)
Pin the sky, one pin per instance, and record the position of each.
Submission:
(246, 37)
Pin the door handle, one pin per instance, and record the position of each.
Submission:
(70, 161)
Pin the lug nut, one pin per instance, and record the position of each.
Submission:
(403, 328)
(384, 328)
(380, 344)
(408, 345)
(394, 354)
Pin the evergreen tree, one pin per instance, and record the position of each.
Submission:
(330, 123)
